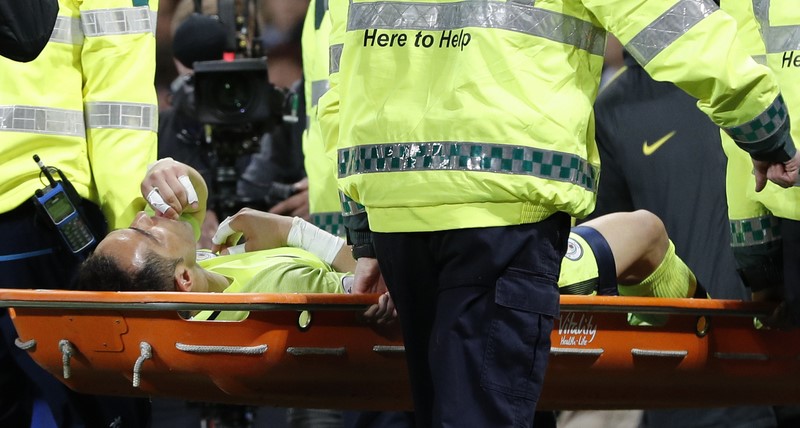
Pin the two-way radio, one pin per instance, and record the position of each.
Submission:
(60, 202)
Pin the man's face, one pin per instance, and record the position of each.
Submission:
(169, 238)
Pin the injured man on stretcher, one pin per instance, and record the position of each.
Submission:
(626, 253)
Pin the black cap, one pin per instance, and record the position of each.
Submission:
(199, 38)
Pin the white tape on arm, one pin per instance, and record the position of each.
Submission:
(314, 240)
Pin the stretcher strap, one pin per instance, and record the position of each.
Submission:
(146, 353)
(66, 355)
(215, 349)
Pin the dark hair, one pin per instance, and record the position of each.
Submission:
(199, 38)
(102, 273)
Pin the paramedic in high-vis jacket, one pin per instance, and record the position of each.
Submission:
(465, 129)
(87, 106)
(765, 226)
(323, 196)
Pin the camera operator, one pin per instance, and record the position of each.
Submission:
(272, 178)
(280, 159)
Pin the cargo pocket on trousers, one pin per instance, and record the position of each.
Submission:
(518, 343)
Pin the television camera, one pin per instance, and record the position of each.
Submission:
(237, 105)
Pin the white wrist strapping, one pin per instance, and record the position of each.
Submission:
(314, 240)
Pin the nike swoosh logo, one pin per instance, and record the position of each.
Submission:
(649, 149)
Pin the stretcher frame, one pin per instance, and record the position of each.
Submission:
(317, 351)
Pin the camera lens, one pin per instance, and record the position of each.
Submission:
(232, 93)
(232, 97)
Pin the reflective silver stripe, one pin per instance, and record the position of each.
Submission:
(754, 231)
(122, 115)
(318, 89)
(761, 10)
(782, 39)
(335, 55)
(67, 30)
(512, 16)
(776, 39)
(40, 120)
(761, 59)
(349, 206)
(667, 28)
(461, 156)
(133, 20)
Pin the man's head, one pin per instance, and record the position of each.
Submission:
(102, 272)
(154, 253)
(199, 38)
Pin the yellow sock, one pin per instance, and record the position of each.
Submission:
(672, 278)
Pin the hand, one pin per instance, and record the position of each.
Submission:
(779, 319)
(382, 312)
(368, 279)
(295, 205)
(261, 230)
(783, 174)
(169, 190)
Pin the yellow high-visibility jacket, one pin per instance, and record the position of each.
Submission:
(770, 30)
(86, 105)
(323, 194)
(456, 114)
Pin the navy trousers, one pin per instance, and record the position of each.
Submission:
(790, 235)
(476, 308)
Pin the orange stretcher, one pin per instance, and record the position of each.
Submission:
(315, 350)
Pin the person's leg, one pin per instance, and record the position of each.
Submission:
(496, 300)
(671, 279)
(491, 338)
(407, 266)
(638, 241)
(588, 267)
(646, 263)
(790, 231)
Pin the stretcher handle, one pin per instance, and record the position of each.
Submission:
(178, 301)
